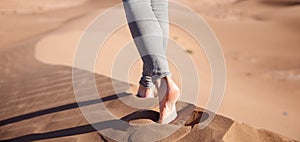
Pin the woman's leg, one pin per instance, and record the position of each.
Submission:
(160, 10)
(148, 23)
(149, 37)
(168, 90)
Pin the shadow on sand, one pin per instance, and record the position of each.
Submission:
(194, 118)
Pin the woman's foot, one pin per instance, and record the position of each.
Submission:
(145, 92)
(168, 96)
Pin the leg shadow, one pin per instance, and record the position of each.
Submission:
(142, 114)
(114, 124)
(60, 108)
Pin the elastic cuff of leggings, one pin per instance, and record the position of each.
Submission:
(146, 81)
(160, 76)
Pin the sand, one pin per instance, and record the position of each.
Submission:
(260, 40)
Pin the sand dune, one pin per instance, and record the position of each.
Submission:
(45, 109)
(260, 40)
(36, 6)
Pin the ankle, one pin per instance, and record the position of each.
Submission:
(170, 83)
(145, 92)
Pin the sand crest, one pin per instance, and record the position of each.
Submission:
(36, 6)
(260, 40)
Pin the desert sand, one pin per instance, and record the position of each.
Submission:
(260, 40)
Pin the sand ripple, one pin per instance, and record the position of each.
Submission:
(36, 6)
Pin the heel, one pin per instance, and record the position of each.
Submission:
(170, 118)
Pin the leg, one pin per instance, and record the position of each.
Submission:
(148, 37)
(168, 91)
(160, 10)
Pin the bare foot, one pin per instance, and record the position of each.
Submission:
(145, 92)
(168, 96)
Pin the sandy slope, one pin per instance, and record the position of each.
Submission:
(260, 40)
(36, 6)
(39, 104)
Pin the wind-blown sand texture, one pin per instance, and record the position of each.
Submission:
(260, 40)
(38, 103)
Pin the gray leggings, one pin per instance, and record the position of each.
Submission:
(149, 27)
